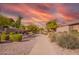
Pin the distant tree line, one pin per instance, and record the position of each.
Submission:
(16, 23)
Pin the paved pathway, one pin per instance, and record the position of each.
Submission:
(43, 46)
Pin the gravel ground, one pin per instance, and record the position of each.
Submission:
(57, 50)
(42, 46)
(17, 48)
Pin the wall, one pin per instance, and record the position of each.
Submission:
(62, 29)
(76, 27)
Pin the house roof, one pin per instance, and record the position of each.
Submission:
(70, 23)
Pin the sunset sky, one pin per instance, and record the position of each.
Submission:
(41, 13)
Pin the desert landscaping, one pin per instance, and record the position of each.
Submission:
(17, 39)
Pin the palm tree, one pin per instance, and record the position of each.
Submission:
(18, 21)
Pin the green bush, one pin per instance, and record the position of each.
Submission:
(12, 33)
(15, 37)
(33, 28)
(67, 40)
(51, 25)
(3, 37)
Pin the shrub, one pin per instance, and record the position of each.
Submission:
(30, 33)
(51, 25)
(3, 37)
(74, 32)
(15, 37)
(52, 36)
(67, 40)
(12, 33)
(33, 28)
(45, 32)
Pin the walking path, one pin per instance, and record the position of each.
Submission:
(43, 46)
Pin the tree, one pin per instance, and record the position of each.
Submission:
(18, 22)
(22, 27)
(32, 28)
(5, 21)
(11, 22)
(51, 25)
(41, 30)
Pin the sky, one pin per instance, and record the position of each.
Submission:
(40, 13)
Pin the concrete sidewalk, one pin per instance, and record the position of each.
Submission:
(42, 47)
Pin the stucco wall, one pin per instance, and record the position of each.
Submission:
(62, 29)
(76, 27)
(67, 28)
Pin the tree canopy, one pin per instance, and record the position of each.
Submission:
(9, 22)
(51, 25)
(5, 21)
